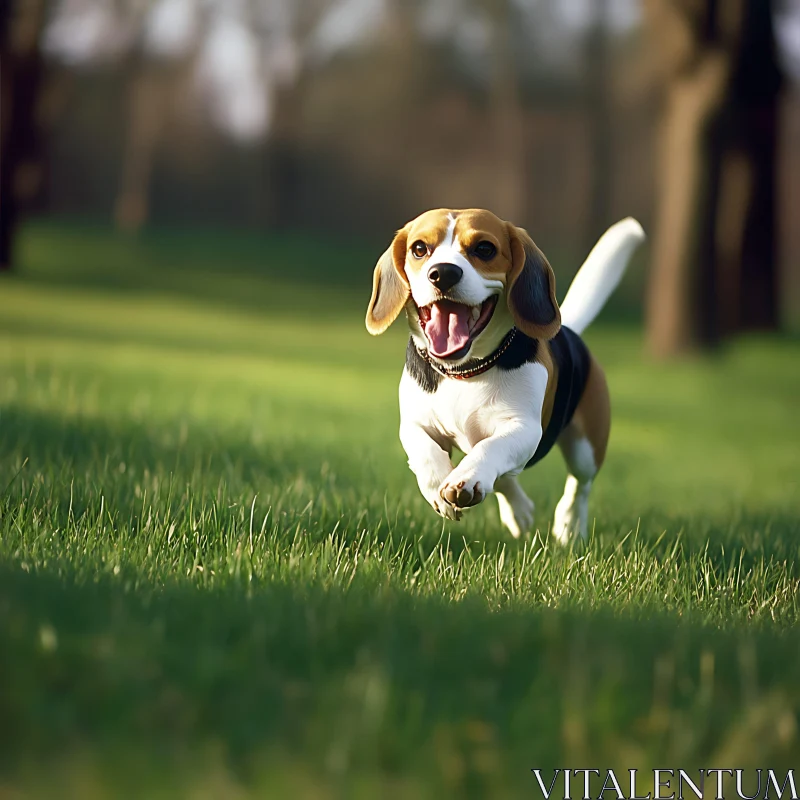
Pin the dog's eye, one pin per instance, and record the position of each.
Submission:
(419, 249)
(485, 251)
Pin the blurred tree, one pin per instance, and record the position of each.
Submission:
(282, 168)
(598, 105)
(714, 268)
(282, 112)
(155, 76)
(228, 48)
(21, 166)
(508, 114)
(147, 109)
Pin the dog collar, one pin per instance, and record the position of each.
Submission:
(471, 368)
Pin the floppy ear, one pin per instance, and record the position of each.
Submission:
(532, 288)
(390, 289)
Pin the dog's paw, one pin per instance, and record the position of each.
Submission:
(429, 486)
(463, 492)
(447, 511)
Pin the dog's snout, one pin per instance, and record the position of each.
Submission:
(445, 276)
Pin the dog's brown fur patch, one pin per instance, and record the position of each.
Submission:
(545, 357)
(592, 418)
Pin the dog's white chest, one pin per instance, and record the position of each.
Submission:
(463, 413)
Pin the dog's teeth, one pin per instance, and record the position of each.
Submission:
(476, 312)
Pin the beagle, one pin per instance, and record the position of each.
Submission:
(493, 366)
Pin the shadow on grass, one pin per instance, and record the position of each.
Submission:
(293, 356)
(62, 474)
(237, 269)
(94, 449)
(364, 679)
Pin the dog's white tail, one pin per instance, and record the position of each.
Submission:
(600, 274)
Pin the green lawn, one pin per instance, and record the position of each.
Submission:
(218, 578)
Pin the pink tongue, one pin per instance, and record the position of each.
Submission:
(448, 328)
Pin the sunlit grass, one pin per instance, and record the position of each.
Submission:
(218, 571)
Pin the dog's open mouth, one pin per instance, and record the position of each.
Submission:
(450, 327)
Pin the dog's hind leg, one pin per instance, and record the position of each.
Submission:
(572, 512)
(516, 508)
(583, 444)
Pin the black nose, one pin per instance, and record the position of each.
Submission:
(445, 276)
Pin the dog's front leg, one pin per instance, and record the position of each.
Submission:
(506, 452)
(430, 464)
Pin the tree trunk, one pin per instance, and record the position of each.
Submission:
(20, 79)
(750, 272)
(282, 158)
(713, 269)
(684, 217)
(599, 108)
(508, 115)
(149, 90)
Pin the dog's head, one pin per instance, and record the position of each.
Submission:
(465, 278)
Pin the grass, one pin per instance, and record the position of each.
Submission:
(218, 579)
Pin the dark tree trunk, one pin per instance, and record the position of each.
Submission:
(283, 162)
(714, 261)
(20, 80)
(753, 143)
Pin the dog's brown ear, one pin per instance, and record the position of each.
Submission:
(532, 288)
(390, 289)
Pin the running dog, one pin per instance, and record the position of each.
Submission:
(493, 366)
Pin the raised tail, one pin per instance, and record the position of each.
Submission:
(600, 274)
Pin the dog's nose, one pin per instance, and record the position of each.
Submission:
(445, 276)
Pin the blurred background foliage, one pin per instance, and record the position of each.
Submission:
(348, 117)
